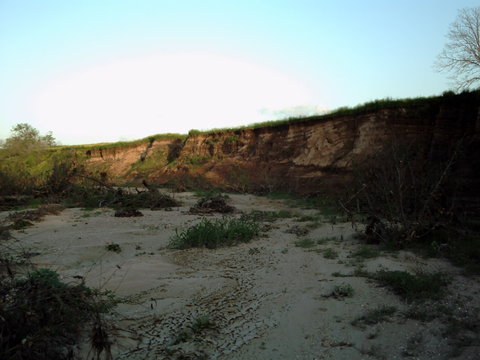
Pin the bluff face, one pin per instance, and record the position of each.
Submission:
(302, 155)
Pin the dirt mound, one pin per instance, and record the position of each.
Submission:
(213, 204)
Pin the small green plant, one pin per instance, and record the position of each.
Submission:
(324, 240)
(47, 277)
(201, 323)
(268, 216)
(419, 287)
(305, 218)
(183, 335)
(113, 247)
(210, 193)
(375, 316)
(342, 291)
(5, 233)
(42, 317)
(215, 233)
(360, 271)
(20, 224)
(366, 252)
(231, 139)
(197, 160)
(305, 243)
(330, 253)
(314, 224)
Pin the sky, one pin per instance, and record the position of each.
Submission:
(95, 71)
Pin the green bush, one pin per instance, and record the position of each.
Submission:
(419, 287)
(41, 317)
(215, 233)
(305, 243)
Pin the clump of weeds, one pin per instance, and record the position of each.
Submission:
(305, 243)
(201, 323)
(375, 316)
(114, 247)
(326, 239)
(267, 216)
(215, 233)
(330, 253)
(342, 291)
(418, 287)
(366, 252)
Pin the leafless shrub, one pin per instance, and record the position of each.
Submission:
(404, 192)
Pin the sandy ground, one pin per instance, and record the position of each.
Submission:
(268, 299)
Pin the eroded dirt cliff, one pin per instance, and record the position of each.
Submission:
(300, 155)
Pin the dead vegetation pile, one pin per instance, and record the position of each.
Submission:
(10, 202)
(21, 219)
(212, 204)
(127, 212)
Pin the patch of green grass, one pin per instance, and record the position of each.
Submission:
(419, 287)
(201, 323)
(342, 291)
(305, 218)
(215, 233)
(231, 139)
(366, 252)
(182, 336)
(268, 216)
(426, 312)
(330, 253)
(360, 271)
(31, 204)
(314, 224)
(326, 239)
(197, 160)
(305, 243)
(113, 247)
(375, 316)
(210, 193)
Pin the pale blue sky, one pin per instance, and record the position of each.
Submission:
(97, 70)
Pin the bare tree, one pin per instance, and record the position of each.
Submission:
(461, 54)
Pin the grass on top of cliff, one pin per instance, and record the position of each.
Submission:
(215, 233)
(106, 145)
(418, 107)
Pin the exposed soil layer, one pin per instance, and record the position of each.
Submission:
(302, 156)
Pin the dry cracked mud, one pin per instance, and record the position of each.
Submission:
(266, 299)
